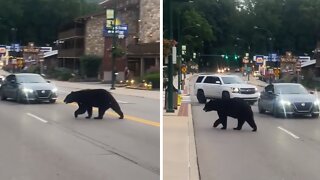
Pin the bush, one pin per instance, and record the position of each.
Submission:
(154, 78)
(90, 65)
(63, 74)
(34, 69)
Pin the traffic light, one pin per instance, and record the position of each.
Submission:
(236, 57)
(226, 57)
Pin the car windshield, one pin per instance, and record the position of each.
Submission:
(30, 79)
(290, 89)
(232, 80)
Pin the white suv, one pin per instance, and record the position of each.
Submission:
(217, 86)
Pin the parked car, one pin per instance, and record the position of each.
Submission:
(213, 86)
(25, 87)
(288, 99)
(237, 70)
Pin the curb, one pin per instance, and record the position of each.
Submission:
(193, 158)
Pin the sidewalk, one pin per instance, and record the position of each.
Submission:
(95, 85)
(179, 150)
(119, 90)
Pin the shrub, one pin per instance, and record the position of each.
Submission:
(63, 74)
(90, 65)
(154, 78)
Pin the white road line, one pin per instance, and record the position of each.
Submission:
(122, 102)
(36, 117)
(288, 132)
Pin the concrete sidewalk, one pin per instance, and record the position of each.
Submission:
(179, 150)
(119, 90)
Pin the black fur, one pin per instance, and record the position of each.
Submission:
(236, 108)
(89, 98)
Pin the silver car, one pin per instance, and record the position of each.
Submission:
(288, 99)
(25, 87)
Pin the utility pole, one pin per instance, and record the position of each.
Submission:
(113, 45)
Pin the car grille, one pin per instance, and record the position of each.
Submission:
(303, 106)
(43, 93)
(247, 90)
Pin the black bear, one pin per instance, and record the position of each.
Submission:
(89, 98)
(236, 108)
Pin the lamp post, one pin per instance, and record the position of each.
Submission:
(113, 49)
(270, 39)
(180, 49)
(169, 107)
(240, 39)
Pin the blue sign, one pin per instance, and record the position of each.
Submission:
(15, 47)
(119, 30)
(273, 57)
(259, 59)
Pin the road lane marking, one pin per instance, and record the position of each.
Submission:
(36, 117)
(288, 132)
(123, 102)
(126, 117)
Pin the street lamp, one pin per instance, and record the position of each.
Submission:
(179, 49)
(169, 107)
(113, 49)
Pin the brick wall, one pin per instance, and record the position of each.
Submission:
(94, 41)
(150, 21)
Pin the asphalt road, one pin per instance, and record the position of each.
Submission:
(281, 149)
(45, 141)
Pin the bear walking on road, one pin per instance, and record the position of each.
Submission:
(236, 108)
(89, 98)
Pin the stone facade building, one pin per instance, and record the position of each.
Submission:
(142, 43)
(81, 37)
(85, 36)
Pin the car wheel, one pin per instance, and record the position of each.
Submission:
(18, 98)
(201, 97)
(225, 95)
(275, 112)
(261, 110)
(3, 97)
(52, 101)
(314, 115)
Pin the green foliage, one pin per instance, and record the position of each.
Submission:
(34, 69)
(118, 52)
(63, 74)
(227, 26)
(90, 65)
(38, 20)
(154, 78)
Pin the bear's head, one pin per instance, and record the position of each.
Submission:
(212, 105)
(70, 98)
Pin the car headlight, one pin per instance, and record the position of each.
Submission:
(256, 89)
(235, 90)
(54, 90)
(284, 102)
(316, 103)
(27, 90)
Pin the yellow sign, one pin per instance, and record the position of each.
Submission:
(277, 72)
(184, 69)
